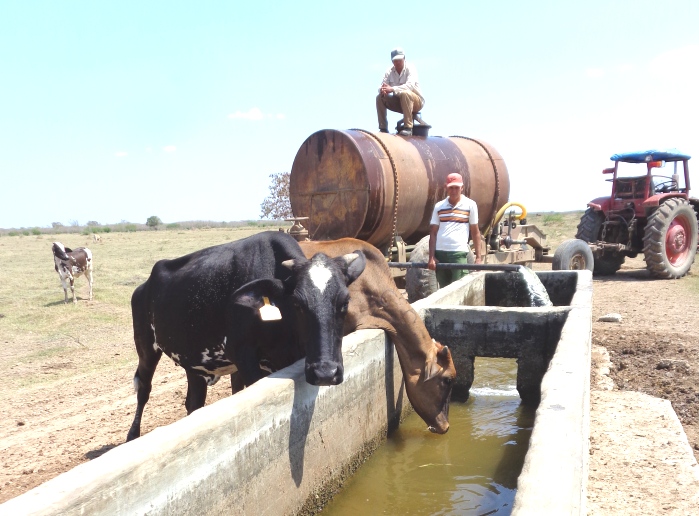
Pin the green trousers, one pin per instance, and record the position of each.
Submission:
(448, 276)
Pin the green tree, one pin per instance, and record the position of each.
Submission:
(153, 221)
(276, 205)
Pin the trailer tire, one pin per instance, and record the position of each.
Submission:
(573, 255)
(420, 283)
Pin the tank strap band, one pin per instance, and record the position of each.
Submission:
(394, 228)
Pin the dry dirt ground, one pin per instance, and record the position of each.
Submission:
(51, 426)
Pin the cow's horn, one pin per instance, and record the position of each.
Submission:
(289, 264)
(350, 257)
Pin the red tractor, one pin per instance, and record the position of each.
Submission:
(651, 214)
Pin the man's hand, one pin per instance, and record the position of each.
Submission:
(386, 89)
(432, 264)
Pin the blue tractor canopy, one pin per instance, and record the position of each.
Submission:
(650, 155)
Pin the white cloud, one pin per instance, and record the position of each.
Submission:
(121, 154)
(678, 60)
(594, 73)
(169, 148)
(255, 114)
(252, 114)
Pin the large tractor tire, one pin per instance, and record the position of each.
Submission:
(670, 239)
(420, 283)
(589, 230)
(573, 255)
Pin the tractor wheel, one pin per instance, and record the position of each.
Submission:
(420, 283)
(670, 239)
(590, 226)
(589, 230)
(573, 255)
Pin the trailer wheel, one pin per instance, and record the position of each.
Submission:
(420, 283)
(670, 239)
(573, 255)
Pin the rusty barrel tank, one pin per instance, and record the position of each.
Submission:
(372, 186)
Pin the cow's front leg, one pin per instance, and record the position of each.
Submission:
(248, 363)
(64, 284)
(72, 289)
(237, 383)
(196, 392)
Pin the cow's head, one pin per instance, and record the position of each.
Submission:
(59, 251)
(432, 390)
(318, 288)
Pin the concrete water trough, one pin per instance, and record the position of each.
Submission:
(283, 446)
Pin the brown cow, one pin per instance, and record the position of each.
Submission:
(375, 302)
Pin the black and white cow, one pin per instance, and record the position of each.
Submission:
(71, 264)
(203, 310)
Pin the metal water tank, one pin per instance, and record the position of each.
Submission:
(370, 186)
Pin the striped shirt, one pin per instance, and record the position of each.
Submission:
(454, 223)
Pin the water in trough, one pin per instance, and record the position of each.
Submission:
(472, 469)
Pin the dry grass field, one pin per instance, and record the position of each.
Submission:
(66, 392)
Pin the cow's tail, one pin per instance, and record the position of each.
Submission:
(143, 331)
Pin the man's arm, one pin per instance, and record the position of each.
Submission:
(476, 237)
(432, 263)
(383, 89)
(410, 83)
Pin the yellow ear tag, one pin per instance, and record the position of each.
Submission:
(269, 312)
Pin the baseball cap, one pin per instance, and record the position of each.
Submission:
(397, 53)
(454, 179)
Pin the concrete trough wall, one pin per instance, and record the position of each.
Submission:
(554, 476)
(283, 446)
(278, 447)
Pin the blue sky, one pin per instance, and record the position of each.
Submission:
(120, 111)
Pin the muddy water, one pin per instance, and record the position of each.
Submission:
(472, 469)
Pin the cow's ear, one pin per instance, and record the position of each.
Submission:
(252, 294)
(68, 250)
(352, 265)
(432, 367)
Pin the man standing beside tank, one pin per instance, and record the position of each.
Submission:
(399, 92)
(453, 220)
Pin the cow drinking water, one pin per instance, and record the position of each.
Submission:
(203, 309)
(71, 264)
(427, 365)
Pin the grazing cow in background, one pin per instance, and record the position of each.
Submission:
(71, 264)
(96, 238)
(198, 309)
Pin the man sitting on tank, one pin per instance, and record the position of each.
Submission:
(400, 93)
(453, 220)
